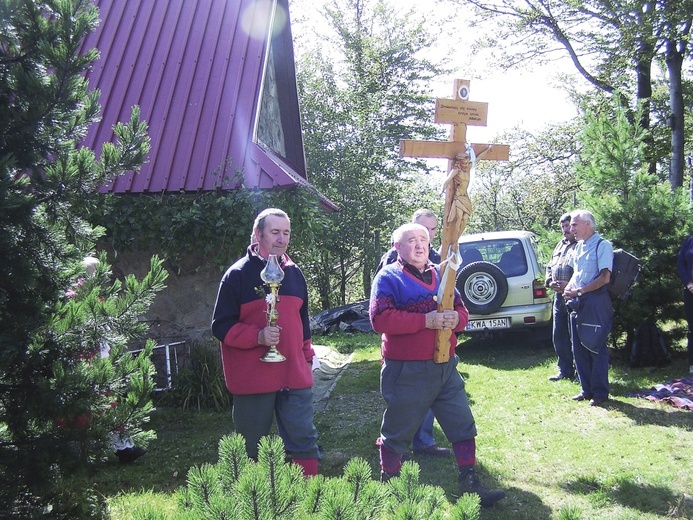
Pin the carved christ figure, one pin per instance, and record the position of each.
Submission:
(458, 206)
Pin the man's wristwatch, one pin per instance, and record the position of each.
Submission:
(579, 292)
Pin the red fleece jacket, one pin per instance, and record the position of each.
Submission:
(240, 314)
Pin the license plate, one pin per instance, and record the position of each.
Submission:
(491, 323)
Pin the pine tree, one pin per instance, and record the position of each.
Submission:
(59, 399)
(272, 488)
(636, 211)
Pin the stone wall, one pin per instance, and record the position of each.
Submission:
(183, 310)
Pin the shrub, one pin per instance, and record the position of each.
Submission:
(237, 487)
(200, 384)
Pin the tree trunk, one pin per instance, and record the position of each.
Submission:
(643, 71)
(342, 280)
(324, 281)
(370, 267)
(674, 60)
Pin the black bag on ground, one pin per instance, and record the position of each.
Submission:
(649, 348)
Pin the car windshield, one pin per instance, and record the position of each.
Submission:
(507, 254)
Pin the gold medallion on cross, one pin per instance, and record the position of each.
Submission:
(462, 156)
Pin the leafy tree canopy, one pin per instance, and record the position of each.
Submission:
(371, 90)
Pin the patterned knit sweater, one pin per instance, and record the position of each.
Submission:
(398, 307)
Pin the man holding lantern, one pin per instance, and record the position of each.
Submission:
(263, 385)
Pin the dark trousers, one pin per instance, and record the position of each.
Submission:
(253, 414)
(592, 365)
(410, 389)
(423, 438)
(561, 337)
(688, 309)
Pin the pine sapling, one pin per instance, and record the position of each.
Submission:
(232, 459)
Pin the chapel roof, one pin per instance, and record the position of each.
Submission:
(217, 91)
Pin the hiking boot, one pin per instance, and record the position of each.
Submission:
(434, 451)
(559, 377)
(598, 401)
(129, 455)
(469, 483)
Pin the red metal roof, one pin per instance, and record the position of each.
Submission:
(196, 70)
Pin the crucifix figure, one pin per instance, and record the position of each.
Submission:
(462, 156)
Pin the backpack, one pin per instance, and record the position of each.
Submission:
(624, 272)
(649, 348)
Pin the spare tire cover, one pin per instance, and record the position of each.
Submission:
(483, 287)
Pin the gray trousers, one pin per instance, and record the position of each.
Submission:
(410, 388)
(253, 414)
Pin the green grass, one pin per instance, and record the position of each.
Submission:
(556, 458)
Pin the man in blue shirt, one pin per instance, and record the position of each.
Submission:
(592, 313)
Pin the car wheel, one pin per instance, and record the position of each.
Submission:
(483, 287)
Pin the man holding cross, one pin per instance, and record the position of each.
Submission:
(424, 443)
(462, 156)
(403, 308)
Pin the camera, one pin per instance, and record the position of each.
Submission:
(574, 305)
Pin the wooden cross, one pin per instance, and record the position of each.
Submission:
(458, 112)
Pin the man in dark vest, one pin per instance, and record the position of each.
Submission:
(558, 274)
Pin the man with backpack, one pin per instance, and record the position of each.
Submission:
(591, 310)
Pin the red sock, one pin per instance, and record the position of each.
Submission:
(390, 462)
(310, 466)
(465, 452)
